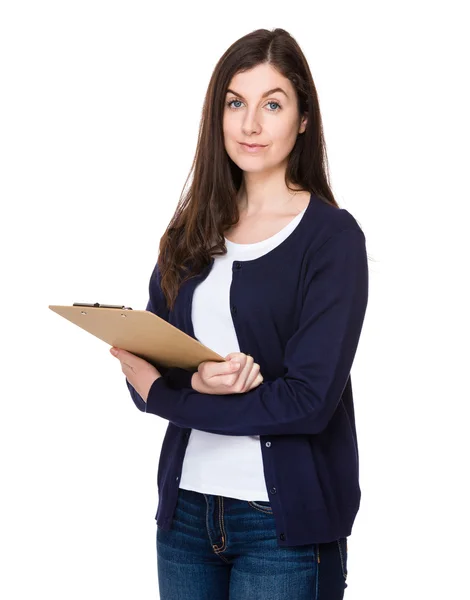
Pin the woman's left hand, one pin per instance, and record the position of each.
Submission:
(138, 371)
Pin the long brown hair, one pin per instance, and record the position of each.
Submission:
(209, 207)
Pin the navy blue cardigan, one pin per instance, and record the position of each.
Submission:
(298, 310)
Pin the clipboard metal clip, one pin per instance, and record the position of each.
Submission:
(98, 305)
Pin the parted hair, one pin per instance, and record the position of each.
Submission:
(208, 206)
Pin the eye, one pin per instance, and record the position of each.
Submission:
(230, 102)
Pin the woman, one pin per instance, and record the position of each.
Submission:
(258, 474)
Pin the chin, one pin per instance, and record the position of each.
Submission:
(251, 166)
(248, 162)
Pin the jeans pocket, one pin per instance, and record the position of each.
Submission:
(343, 553)
(261, 506)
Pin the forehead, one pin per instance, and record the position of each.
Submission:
(258, 80)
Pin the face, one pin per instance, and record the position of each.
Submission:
(254, 116)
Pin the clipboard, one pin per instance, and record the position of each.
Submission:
(140, 332)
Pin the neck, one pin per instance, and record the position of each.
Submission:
(264, 193)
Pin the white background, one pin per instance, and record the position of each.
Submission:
(100, 107)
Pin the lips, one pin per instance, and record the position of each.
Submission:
(252, 145)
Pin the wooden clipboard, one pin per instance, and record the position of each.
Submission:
(141, 332)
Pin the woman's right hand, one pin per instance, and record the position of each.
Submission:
(224, 378)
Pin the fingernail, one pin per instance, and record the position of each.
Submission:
(114, 351)
(235, 365)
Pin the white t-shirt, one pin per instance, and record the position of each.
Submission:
(225, 465)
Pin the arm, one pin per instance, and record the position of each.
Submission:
(317, 363)
(171, 375)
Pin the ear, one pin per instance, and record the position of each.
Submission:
(303, 124)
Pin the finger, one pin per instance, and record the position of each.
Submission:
(252, 375)
(127, 369)
(234, 355)
(223, 373)
(211, 369)
(244, 374)
(121, 353)
(255, 377)
(234, 365)
(238, 356)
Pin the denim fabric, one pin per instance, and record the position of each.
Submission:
(221, 548)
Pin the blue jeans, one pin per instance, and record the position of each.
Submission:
(221, 548)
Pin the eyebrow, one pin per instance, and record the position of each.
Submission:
(268, 93)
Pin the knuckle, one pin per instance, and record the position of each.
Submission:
(205, 369)
(228, 381)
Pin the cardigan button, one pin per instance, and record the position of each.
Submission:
(268, 444)
(234, 309)
(273, 490)
(237, 265)
(282, 536)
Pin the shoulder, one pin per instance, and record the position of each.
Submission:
(327, 221)
(332, 219)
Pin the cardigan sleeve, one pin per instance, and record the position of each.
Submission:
(174, 377)
(317, 361)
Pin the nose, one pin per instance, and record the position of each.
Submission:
(250, 123)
